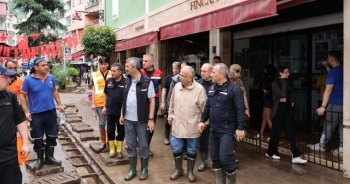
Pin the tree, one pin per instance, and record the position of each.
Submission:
(41, 15)
(98, 41)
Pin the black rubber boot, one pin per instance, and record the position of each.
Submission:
(231, 178)
(220, 176)
(190, 165)
(166, 136)
(39, 164)
(149, 139)
(49, 159)
(132, 172)
(144, 169)
(203, 164)
(178, 167)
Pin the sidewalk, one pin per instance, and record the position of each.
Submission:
(253, 168)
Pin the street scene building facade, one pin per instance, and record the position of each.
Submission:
(196, 31)
(304, 44)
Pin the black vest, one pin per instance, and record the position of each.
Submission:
(141, 97)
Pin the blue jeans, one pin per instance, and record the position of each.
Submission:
(221, 151)
(44, 122)
(178, 143)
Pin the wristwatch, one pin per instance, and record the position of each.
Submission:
(151, 119)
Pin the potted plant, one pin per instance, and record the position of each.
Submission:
(60, 75)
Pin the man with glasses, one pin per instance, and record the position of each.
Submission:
(16, 81)
(38, 93)
(12, 120)
(186, 106)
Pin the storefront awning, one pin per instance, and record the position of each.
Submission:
(137, 41)
(244, 11)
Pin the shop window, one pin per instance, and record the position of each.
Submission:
(191, 48)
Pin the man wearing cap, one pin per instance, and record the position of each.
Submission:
(12, 120)
(38, 93)
(16, 81)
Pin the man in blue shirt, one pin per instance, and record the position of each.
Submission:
(332, 103)
(39, 91)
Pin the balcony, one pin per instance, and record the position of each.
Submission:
(91, 3)
(91, 22)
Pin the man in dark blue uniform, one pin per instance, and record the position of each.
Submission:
(112, 106)
(12, 120)
(225, 111)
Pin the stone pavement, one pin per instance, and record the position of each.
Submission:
(254, 167)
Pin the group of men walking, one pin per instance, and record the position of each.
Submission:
(200, 112)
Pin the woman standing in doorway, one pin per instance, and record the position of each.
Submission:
(269, 77)
(235, 77)
(281, 115)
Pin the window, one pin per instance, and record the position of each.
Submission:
(72, 3)
(80, 1)
(68, 20)
(115, 9)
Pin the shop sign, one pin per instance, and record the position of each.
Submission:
(199, 3)
(138, 28)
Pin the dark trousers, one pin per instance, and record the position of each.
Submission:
(221, 151)
(10, 172)
(136, 131)
(44, 122)
(283, 119)
(150, 134)
(204, 141)
(112, 123)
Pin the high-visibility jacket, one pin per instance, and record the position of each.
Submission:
(16, 86)
(99, 86)
(156, 78)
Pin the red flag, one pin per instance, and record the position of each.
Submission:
(80, 35)
(6, 51)
(34, 36)
(68, 41)
(22, 42)
(34, 52)
(3, 37)
(43, 50)
(58, 49)
(16, 54)
(74, 40)
(25, 54)
(52, 51)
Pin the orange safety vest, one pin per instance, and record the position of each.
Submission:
(16, 86)
(99, 86)
(21, 158)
